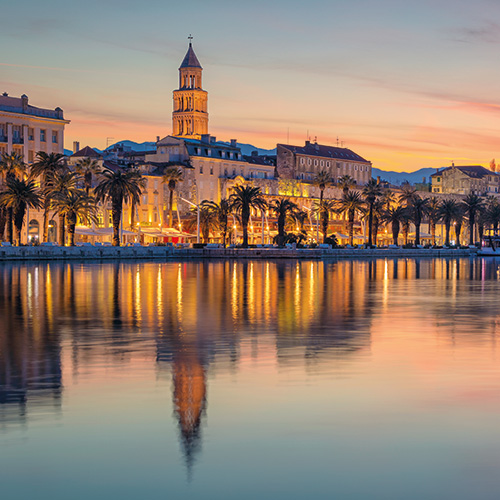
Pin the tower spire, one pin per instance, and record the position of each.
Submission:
(190, 115)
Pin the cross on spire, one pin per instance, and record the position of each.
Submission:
(190, 38)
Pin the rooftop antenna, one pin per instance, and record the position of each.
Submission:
(288, 135)
(307, 136)
(316, 139)
(337, 141)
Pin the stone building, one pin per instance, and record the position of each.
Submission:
(465, 180)
(304, 162)
(26, 129)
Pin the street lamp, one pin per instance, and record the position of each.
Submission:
(197, 217)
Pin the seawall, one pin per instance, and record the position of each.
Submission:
(168, 253)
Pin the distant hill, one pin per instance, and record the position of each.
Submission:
(246, 149)
(397, 178)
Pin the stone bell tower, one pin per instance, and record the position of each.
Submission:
(190, 115)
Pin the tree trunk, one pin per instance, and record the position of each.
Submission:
(170, 208)
(406, 229)
(281, 231)
(10, 215)
(18, 223)
(46, 219)
(3, 221)
(447, 227)
(324, 224)
(395, 232)
(370, 224)
(458, 230)
(116, 215)
(62, 230)
(245, 216)
(471, 228)
(351, 229)
(433, 232)
(417, 233)
(71, 229)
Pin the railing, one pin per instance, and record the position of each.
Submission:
(3, 138)
(17, 140)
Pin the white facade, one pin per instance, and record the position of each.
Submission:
(25, 129)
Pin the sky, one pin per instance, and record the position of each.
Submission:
(406, 85)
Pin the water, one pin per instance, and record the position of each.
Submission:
(352, 380)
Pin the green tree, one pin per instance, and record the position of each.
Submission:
(221, 212)
(61, 184)
(17, 196)
(351, 204)
(243, 199)
(322, 180)
(75, 206)
(88, 169)
(473, 205)
(282, 209)
(172, 176)
(44, 168)
(122, 186)
(448, 210)
(371, 191)
(323, 208)
(418, 209)
(434, 215)
(395, 216)
(12, 166)
(346, 182)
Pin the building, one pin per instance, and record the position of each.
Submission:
(190, 115)
(465, 180)
(26, 129)
(304, 162)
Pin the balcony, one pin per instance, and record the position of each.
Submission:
(3, 138)
(17, 140)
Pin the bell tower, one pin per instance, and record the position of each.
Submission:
(190, 115)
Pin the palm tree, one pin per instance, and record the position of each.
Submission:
(395, 216)
(208, 220)
(378, 212)
(350, 204)
(493, 215)
(408, 193)
(17, 196)
(323, 208)
(473, 204)
(74, 206)
(61, 184)
(45, 167)
(243, 199)
(172, 176)
(322, 179)
(418, 209)
(388, 198)
(434, 215)
(282, 208)
(458, 222)
(11, 166)
(371, 191)
(221, 212)
(119, 187)
(448, 211)
(88, 168)
(346, 182)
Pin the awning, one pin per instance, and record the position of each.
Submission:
(86, 231)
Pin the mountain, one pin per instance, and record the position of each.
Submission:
(134, 146)
(397, 178)
(246, 149)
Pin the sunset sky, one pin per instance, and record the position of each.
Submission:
(405, 84)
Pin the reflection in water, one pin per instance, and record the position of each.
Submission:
(202, 318)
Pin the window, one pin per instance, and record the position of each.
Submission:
(265, 175)
(201, 169)
(302, 161)
(42, 135)
(234, 172)
(322, 163)
(54, 137)
(211, 170)
(225, 172)
(31, 134)
(144, 199)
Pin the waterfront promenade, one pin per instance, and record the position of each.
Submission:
(56, 253)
